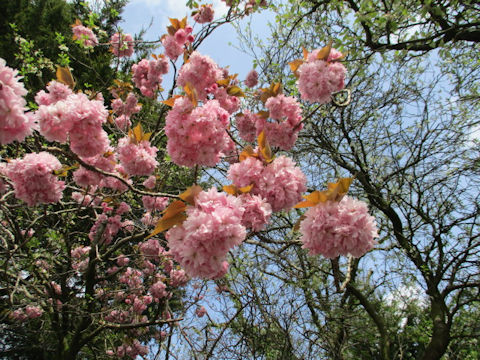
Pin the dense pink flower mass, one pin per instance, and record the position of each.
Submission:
(85, 35)
(122, 44)
(281, 183)
(201, 72)
(247, 124)
(339, 228)
(287, 116)
(147, 75)
(174, 44)
(15, 124)
(319, 79)
(128, 107)
(257, 212)
(204, 14)
(251, 79)
(212, 228)
(197, 137)
(78, 117)
(56, 92)
(33, 179)
(137, 159)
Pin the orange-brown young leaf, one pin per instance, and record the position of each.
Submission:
(264, 146)
(167, 223)
(305, 53)
(183, 23)
(189, 195)
(230, 189)
(170, 102)
(325, 51)
(246, 153)
(296, 227)
(175, 23)
(336, 191)
(65, 77)
(191, 93)
(294, 65)
(263, 114)
(235, 91)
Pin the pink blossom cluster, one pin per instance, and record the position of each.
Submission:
(150, 182)
(201, 72)
(339, 228)
(147, 75)
(137, 158)
(78, 118)
(318, 79)
(80, 258)
(228, 102)
(204, 14)
(252, 79)
(213, 227)
(129, 107)
(110, 225)
(154, 203)
(247, 124)
(131, 349)
(33, 179)
(15, 124)
(106, 162)
(174, 44)
(281, 183)
(122, 44)
(287, 116)
(56, 92)
(29, 312)
(85, 35)
(198, 136)
(257, 212)
(200, 311)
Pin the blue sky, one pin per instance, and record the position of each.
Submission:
(140, 13)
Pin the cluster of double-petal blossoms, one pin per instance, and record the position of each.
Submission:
(213, 227)
(204, 14)
(147, 75)
(338, 228)
(197, 136)
(76, 118)
(85, 35)
(318, 79)
(137, 158)
(281, 183)
(122, 45)
(15, 124)
(33, 179)
(174, 43)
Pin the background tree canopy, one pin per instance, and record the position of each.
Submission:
(406, 128)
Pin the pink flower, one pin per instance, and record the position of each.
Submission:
(85, 35)
(204, 14)
(152, 203)
(122, 44)
(251, 79)
(247, 124)
(280, 183)
(257, 212)
(33, 312)
(200, 311)
(147, 75)
(201, 72)
(158, 290)
(33, 179)
(172, 49)
(15, 124)
(338, 228)
(212, 228)
(137, 159)
(199, 137)
(319, 79)
(150, 182)
(56, 92)
(128, 108)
